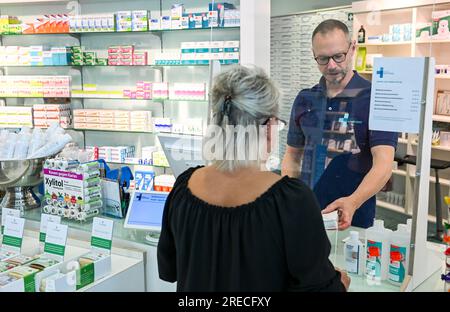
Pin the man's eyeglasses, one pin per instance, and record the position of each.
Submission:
(338, 58)
(280, 122)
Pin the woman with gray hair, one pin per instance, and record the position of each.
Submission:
(232, 226)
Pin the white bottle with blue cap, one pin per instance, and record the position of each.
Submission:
(354, 254)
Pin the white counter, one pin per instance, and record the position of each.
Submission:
(123, 268)
(359, 283)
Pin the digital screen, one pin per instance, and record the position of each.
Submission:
(146, 210)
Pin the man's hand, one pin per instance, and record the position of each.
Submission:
(346, 207)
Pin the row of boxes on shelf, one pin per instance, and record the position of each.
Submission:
(39, 116)
(45, 268)
(397, 33)
(33, 56)
(218, 15)
(199, 53)
(150, 155)
(78, 56)
(116, 154)
(146, 181)
(126, 55)
(191, 53)
(119, 120)
(162, 91)
(443, 70)
(16, 117)
(35, 86)
(46, 114)
(139, 121)
(153, 90)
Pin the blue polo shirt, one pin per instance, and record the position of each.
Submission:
(335, 135)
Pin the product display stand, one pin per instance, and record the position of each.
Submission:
(422, 263)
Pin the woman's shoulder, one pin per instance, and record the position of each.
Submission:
(295, 193)
(184, 177)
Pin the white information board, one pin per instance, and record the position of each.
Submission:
(397, 89)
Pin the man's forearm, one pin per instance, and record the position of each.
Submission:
(372, 183)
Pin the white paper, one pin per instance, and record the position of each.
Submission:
(9, 212)
(56, 234)
(397, 87)
(103, 229)
(45, 218)
(13, 228)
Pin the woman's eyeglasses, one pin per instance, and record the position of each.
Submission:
(280, 122)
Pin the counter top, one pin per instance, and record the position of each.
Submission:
(359, 283)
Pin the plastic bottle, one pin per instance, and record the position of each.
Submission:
(377, 252)
(399, 254)
(354, 254)
(409, 225)
(362, 35)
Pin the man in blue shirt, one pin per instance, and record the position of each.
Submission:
(332, 119)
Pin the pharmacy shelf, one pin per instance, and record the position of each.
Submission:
(123, 131)
(104, 96)
(366, 72)
(118, 97)
(133, 164)
(399, 209)
(399, 172)
(390, 206)
(113, 66)
(384, 44)
(159, 31)
(435, 147)
(432, 41)
(441, 118)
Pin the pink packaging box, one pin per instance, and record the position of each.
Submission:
(114, 49)
(126, 56)
(127, 93)
(125, 63)
(139, 62)
(140, 55)
(114, 56)
(126, 49)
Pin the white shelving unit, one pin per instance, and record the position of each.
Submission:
(413, 12)
(398, 43)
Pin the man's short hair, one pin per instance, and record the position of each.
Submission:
(328, 26)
